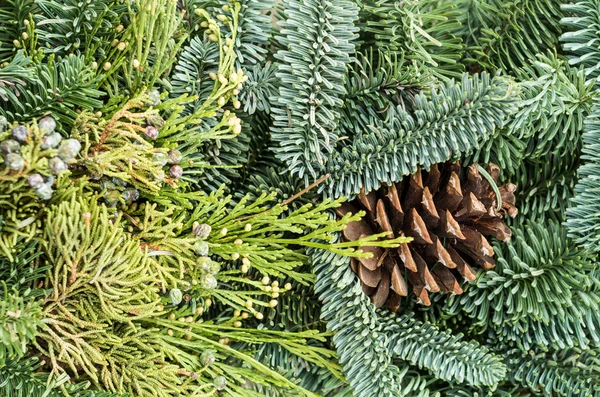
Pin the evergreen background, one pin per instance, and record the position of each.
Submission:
(225, 281)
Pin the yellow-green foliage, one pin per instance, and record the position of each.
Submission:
(108, 320)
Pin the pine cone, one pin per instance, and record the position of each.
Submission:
(448, 218)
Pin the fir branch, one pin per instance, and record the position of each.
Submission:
(457, 119)
(19, 379)
(377, 82)
(260, 88)
(566, 373)
(254, 32)
(21, 272)
(581, 22)
(20, 319)
(445, 355)
(14, 75)
(540, 292)
(61, 87)
(420, 30)
(14, 15)
(545, 186)
(555, 100)
(22, 379)
(582, 216)
(66, 27)
(359, 338)
(506, 35)
(311, 73)
(191, 73)
(369, 341)
(504, 149)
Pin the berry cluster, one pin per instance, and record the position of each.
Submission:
(173, 157)
(59, 153)
(202, 275)
(117, 190)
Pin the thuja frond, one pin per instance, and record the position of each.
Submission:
(540, 292)
(225, 159)
(21, 208)
(97, 277)
(310, 377)
(456, 119)
(581, 23)
(582, 216)
(420, 30)
(116, 146)
(304, 131)
(151, 41)
(62, 86)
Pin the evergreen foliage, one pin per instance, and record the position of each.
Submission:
(19, 320)
(568, 373)
(420, 30)
(455, 119)
(542, 292)
(60, 86)
(582, 216)
(581, 21)
(305, 127)
(507, 35)
(370, 343)
(169, 170)
(555, 101)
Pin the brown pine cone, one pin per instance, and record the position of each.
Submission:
(448, 218)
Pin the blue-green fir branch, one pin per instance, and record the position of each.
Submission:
(454, 120)
(582, 23)
(541, 291)
(582, 216)
(376, 349)
(311, 87)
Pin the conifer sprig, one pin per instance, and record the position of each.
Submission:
(305, 127)
(454, 120)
